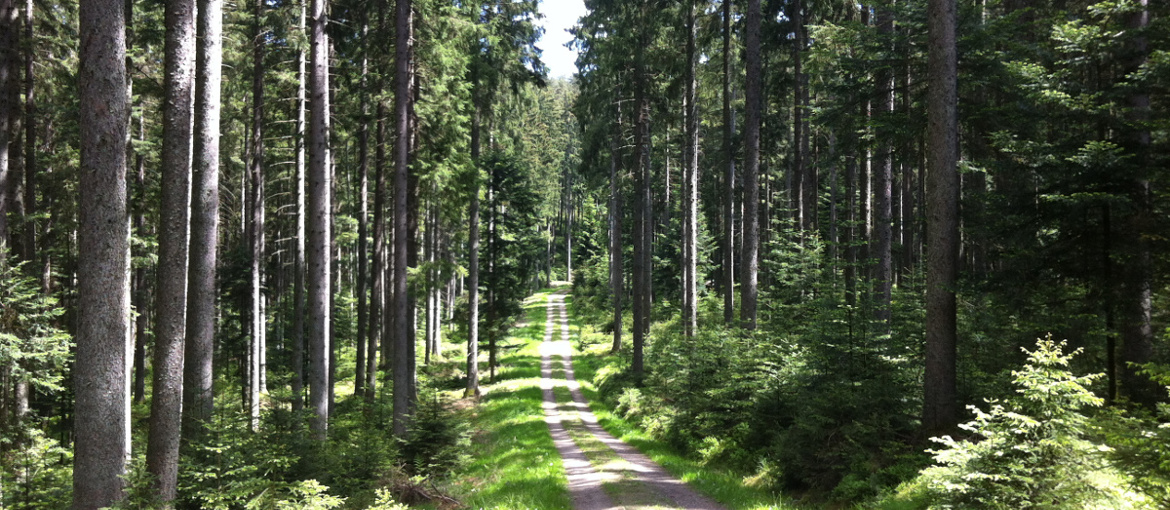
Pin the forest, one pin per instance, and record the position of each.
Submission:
(757, 254)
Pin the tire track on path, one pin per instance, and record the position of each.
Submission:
(637, 467)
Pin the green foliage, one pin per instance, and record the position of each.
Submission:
(438, 441)
(1030, 451)
(35, 473)
(31, 343)
(1140, 444)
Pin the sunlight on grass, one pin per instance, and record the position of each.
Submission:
(725, 487)
(515, 465)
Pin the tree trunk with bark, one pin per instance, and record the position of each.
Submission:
(162, 450)
(404, 398)
(729, 174)
(319, 221)
(690, 183)
(100, 375)
(198, 377)
(256, 220)
(751, 176)
(940, 412)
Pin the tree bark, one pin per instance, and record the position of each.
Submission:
(940, 411)
(319, 221)
(363, 215)
(101, 372)
(198, 377)
(404, 398)
(883, 184)
(751, 179)
(141, 296)
(691, 182)
(298, 336)
(616, 271)
(9, 76)
(729, 174)
(162, 450)
(378, 296)
(256, 219)
(473, 256)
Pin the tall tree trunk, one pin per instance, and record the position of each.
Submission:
(751, 176)
(1137, 334)
(729, 174)
(30, 149)
(162, 449)
(198, 377)
(141, 289)
(101, 373)
(404, 398)
(473, 256)
(363, 215)
(883, 184)
(319, 221)
(298, 336)
(940, 411)
(378, 297)
(616, 276)
(9, 77)
(797, 191)
(642, 217)
(690, 182)
(256, 218)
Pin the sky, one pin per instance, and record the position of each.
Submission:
(559, 16)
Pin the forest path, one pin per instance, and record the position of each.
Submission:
(603, 472)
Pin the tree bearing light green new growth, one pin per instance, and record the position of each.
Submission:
(1031, 450)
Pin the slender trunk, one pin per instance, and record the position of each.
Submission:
(319, 221)
(616, 277)
(404, 398)
(141, 287)
(298, 336)
(729, 174)
(642, 217)
(30, 163)
(198, 377)
(162, 450)
(378, 272)
(797, 191)
(9, 77)
(690, 183)
(751, 180)
(100, 376)
(363, 217)
(883, 184)
(473, 262)
(256, 217)
(940, 411)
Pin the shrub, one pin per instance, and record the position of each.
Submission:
(1029, 451)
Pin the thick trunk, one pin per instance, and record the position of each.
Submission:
(162, 450)
(100, 376)
(319, 221)
(751, 181)
(404, 398)
(198, 377)
(940, 412)
(1137, 334)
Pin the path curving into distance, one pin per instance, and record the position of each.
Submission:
(603, 472)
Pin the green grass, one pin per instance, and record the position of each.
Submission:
(724, 486)
(515, 465)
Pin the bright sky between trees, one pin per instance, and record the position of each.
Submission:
(559, 17)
